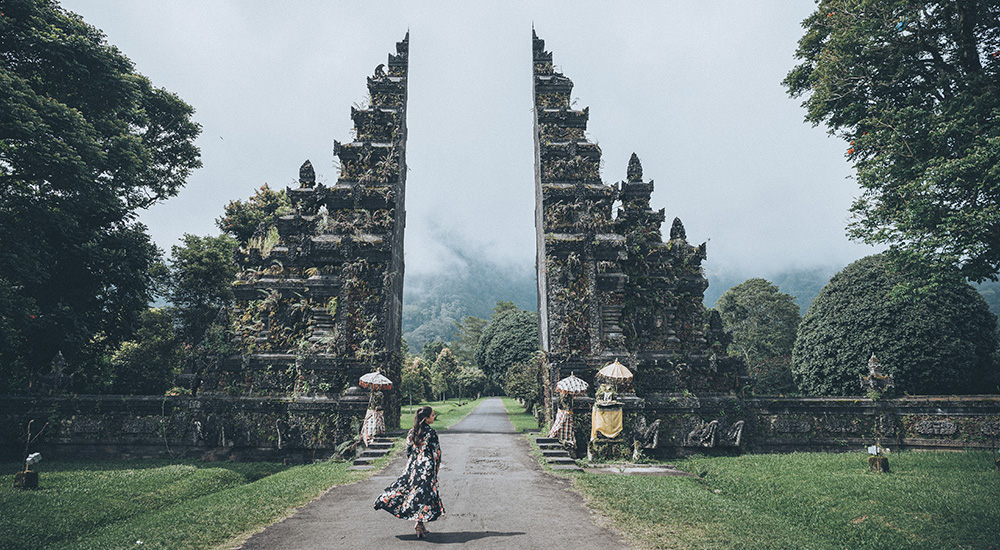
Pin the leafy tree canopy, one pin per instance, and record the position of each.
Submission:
(524, 381)
(243, 218)
(914, 86)
(510, 338)
(762, 321)
(85, 142)
(148, 364)
(201, 281)
(445, 373)
(468, 332)
(937, 343)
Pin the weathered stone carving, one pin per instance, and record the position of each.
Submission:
(647, 436)
(707, 435)
(307, 175)
(990, 428)
(935, 427)
(839, 425)
(789, 425)
(876, 380)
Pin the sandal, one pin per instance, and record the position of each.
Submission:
(421, 530)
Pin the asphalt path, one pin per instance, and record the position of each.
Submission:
(495, 495)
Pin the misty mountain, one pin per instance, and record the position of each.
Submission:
(432, 304)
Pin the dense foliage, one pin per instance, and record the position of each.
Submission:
(148, 364)
(201, 282)
(85, 142)
(509, 339)
(242, 219)
(762, 321)
(937, 343)
(914, 86)
(524, 381)
(444, 375)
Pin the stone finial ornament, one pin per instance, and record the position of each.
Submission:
(634, 168)
(307, 175)
(677, 230)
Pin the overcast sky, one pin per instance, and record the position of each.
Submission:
(692, 87)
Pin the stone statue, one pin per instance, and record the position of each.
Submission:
(646, 436)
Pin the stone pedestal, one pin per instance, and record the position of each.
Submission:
(26, 480)
(609, 450)
(878, 464)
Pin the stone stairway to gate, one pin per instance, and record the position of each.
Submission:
(555, 455)
(365, 458)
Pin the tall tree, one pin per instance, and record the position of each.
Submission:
(762, 321)
(201, 281)
(431, 350)
(914, 86)
(445, 371)
(469, 330)
(85, 142)
(509, 339)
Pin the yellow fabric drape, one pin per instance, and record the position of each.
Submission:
(606, 421)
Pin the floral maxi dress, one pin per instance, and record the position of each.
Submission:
(414, 495)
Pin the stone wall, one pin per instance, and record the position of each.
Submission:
(215, 428)
(779, 424)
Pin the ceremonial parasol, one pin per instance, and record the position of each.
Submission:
(376, 381)
(615, 373)
(571, 385)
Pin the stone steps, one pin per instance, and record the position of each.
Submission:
(365, 459)
(555, 455)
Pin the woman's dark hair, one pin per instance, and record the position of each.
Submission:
(419, 426)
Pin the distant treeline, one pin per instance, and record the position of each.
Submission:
(433, 304)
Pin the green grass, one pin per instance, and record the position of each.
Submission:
(163, 504)
(521, 419)
(808, 500)
(448, 412)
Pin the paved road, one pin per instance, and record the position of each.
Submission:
(495, 494)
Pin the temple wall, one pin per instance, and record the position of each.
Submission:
(214, 428)
(785, 424)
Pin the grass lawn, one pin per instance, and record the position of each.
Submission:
(448, 412)
(808, 500)
(521, 419)
(162, 503)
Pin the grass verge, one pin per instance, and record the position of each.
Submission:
(808, 500)
(156, 503)
(521, 419)
(448, 412)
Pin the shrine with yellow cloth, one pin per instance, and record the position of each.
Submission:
(607, 421)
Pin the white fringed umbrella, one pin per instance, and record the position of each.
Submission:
(571, 385)
(615, 373)
(375, 381)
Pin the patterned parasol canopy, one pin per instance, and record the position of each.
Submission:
(376, 381)
(571, 385)
(615, 372)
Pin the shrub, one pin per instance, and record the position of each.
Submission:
(932, 343)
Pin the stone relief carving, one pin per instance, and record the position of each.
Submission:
(935, 427)
(990, 428)
(707, 435)
(789, 425)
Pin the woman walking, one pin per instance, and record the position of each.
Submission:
(414, 495)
